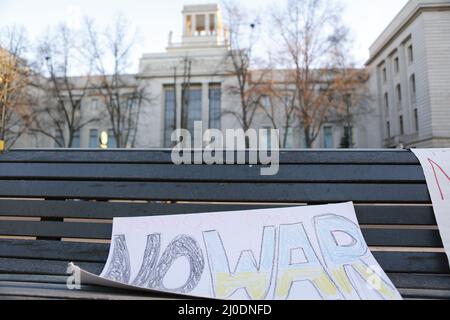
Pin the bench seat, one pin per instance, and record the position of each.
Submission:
(57, 206)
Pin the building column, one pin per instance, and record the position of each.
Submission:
(205, 105)
(194, 24)
(179, 104)
(207, 23)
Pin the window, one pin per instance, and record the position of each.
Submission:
(112, 142)
(130, 103)
(347, 139)
(189, 25)
(93, 139)
(384, 74)
(115, 102)
(386, 103)
(402, 127)
(265, 102)
(169, 116)
(328, 142)
(416, 119)
(59, 139)
(212, 23)
(94, 104)
(200, 24)
(267, 140)
(289, 141)
(76, 140)
(412, 81)
(215, 94)
(399, 93)
(397, 65)
(410, 54)
(388, 129)
(192, 110)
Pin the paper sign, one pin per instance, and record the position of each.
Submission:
(436, 166)
(315, 252)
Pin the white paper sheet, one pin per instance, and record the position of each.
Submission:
(436, 166)
(315, 252)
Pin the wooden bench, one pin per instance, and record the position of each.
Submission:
(56, 206)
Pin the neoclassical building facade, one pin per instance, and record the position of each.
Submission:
(409, 70)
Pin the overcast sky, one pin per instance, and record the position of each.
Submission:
(155, 18)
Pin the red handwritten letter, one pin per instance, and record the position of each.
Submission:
(433, 166)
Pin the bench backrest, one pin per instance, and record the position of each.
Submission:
(57, 206)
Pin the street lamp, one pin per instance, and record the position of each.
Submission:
(104, 140)
(3, 100)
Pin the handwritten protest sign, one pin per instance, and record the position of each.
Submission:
(315, 252)
(436, 166)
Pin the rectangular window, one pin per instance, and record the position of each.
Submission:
(76, 140)
(93, 139)
(215, 112)
(189, 25)
(192, 108)
(94, 104)
(59, 139)
(170, 123)
(347, 139)
(212, 23)
(412, 81)
(200, 22)
(386, 102)
(388, 129)
(384, 75)
(130, 103)
(402, 128)
(265, 102)
(267, 139)
(289, 143)
(416, 120)
(397, 65)
(399, 93)
(411, 54)
(112, 142)
(328, 142)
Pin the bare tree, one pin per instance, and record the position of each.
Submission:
(60, 116)
(120, 93)
(185, 90)
(351, 96)
(15, 94)
(311, 32)
(243, 35)
(278, 102)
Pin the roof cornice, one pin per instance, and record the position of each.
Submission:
(403, 24)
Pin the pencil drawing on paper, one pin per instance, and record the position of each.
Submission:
(315, 256)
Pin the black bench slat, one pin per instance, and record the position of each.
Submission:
(164, 156)
(400, 280)
(243, 192)
(402, 238)
(421, 294)
(44, 267)
(60, 291)
(44, 291)
(34, 278)
(413, 262)
(396, 215)
(391, 262)
(390, 215)
(229, 173)
(374, 237)
(54, 250)
(421, 281)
